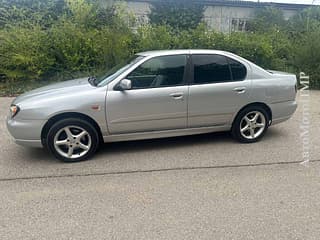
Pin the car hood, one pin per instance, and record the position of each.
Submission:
(62, 88)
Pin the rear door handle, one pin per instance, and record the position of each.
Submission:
(240, 89)
(177, 96)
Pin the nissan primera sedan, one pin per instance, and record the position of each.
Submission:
(153, 95)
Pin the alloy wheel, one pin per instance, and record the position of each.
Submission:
(252, 125)
(72, 142)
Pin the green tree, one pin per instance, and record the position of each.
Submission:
(180, 15)
(267, 19)
(26, 12)
(305, 21)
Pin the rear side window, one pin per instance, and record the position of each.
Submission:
(217, 68)
(210, 69)
(239, 71)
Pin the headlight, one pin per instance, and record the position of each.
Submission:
(14, 109)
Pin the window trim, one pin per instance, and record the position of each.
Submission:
(185, 80)
(228, 59)
(192, 80)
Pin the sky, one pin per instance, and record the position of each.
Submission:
(316, 2)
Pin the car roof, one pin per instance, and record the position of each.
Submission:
(255, 68)
(181, 51)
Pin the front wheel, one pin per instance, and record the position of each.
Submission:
(251, 124)
(72, 140)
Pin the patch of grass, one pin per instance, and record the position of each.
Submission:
(12, 88)
(9, 89)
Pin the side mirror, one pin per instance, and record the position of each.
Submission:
(125, 84)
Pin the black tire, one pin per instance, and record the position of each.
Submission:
(236, 126)
(91, 136)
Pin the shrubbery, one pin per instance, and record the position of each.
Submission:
(179, 14)
(63, 39)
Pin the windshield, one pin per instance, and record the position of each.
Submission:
(114, 72)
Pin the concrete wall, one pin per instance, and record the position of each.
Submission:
(289, 13)
(220, 18)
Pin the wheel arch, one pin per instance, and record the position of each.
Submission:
(263, 105)
(65, 115)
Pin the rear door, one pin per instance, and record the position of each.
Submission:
(219, 88)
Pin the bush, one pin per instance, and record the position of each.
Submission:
(79, 44)
(307, 58)
(83, 40)
(24, 53)
(63, 39)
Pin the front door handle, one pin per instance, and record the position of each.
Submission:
(240, 89)
(177, 96)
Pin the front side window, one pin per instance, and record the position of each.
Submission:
(211, 69)
(117, 70)
(163, 71)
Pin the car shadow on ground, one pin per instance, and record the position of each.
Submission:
(178, 142)
(138, 146)
(165, 143)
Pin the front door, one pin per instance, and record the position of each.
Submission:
(156, 101)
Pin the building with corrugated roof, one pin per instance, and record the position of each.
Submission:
(224, 16)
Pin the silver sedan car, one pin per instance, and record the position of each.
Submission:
(154, 94)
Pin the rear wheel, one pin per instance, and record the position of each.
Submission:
(72, 140)
(251, 124)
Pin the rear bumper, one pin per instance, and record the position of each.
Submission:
(29, 143)
(282, 111)
(26, 132)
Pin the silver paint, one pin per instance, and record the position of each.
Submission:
(155, 112)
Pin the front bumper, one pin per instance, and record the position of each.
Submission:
(26, 132)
